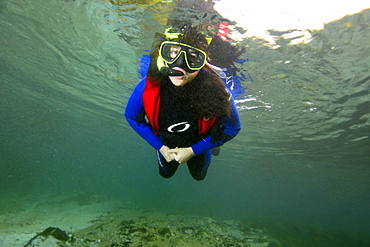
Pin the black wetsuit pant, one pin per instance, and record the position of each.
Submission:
(197, 165)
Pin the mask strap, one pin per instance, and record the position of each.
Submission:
(160, 62)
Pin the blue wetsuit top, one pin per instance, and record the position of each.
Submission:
(231, 125)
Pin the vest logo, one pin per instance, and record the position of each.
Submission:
(178, 127)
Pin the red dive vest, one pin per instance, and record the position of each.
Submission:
(151, 101)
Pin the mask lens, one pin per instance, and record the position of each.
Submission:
(170, 52)
(195, 58)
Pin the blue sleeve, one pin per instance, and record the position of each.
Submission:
(133, 108)
(232, 126)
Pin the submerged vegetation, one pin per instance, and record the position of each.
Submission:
(153, 229)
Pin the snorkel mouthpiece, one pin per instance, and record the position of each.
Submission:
(167, 70)
(170, 72)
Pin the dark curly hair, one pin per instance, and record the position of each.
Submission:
(201, 15)
(206, 95)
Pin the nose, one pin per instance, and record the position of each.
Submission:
(180, 61)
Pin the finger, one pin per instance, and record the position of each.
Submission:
(169, 158)
(176, 157)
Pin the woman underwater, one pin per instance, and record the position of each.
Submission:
(182, 108)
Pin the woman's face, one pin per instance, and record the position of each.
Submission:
(185, 78)
(181, 56)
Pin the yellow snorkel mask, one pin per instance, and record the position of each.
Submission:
(176, 54)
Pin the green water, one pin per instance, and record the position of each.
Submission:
(300, 166)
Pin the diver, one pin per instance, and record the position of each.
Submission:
(182, 107)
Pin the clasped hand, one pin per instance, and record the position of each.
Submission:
(181, 155)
